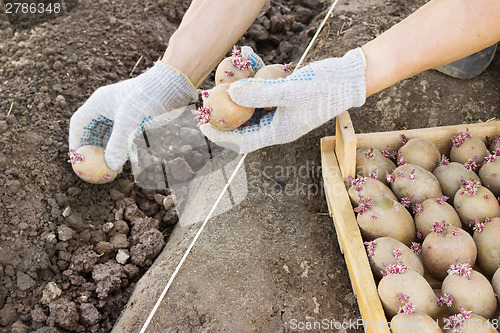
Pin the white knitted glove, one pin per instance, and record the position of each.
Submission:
(306, 99)
(117, 113)
(257, 63)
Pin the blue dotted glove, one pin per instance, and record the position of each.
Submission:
(257, 63)
(305, 100)
(117, 113)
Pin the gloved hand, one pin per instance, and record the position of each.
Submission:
(257, 63)
(118, 111)
(305, 100)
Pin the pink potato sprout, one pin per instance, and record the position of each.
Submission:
(89, 164)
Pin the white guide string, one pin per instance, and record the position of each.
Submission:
(238, 166)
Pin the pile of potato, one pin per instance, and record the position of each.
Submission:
(218, 108)
(420, 211)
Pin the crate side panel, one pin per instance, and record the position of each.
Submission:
(440, 136)
(351, 242)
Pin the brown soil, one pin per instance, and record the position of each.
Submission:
(71, 252)
(60, 237)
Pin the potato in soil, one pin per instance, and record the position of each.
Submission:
(475, 202)
(381, 251)
(487, 238)
(89, 164)
(225, 115)
(420, 152)
(273, 72)
(490, 175)
(369, 187)
(371, 161)
(414, 182)
(411, 284)
(416, 322)
(434, 210)
(473, 293)
(473, 324)
(449, 175)
(383, 217)
(443, 247)
(227, 72)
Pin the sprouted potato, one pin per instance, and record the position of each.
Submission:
(220, 111)
(89, 164)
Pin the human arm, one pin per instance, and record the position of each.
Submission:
(116, 113)
(207, 32)
(438, 33)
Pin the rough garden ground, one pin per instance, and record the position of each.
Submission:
(270, 262)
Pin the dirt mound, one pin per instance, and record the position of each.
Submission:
(70, 252)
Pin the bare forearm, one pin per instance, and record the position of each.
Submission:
(207, 31)
(440, 32)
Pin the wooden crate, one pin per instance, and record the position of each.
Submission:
(338, 159)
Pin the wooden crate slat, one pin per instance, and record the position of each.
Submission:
(440, 136)
(345, 146)
(351, 242)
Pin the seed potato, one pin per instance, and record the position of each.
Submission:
(495, 282)
(369, 187)
(441, 249)
(273, 72)
(225, 115)
(227, 72)
(420, 152)
(449, 176)
(488, 246)
(89, 164)
(473, 293)
(416, 322)
(495, 144)
(370, 161)
(386, 217)
(469, 149)
(473, 201)
(412, 284)
(383, 253)
(490, 176)
(435, 210)
(415, 182)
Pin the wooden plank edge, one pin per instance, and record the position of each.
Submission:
(345, 147)
(351, 241)
(438, 135)
(328, 144)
